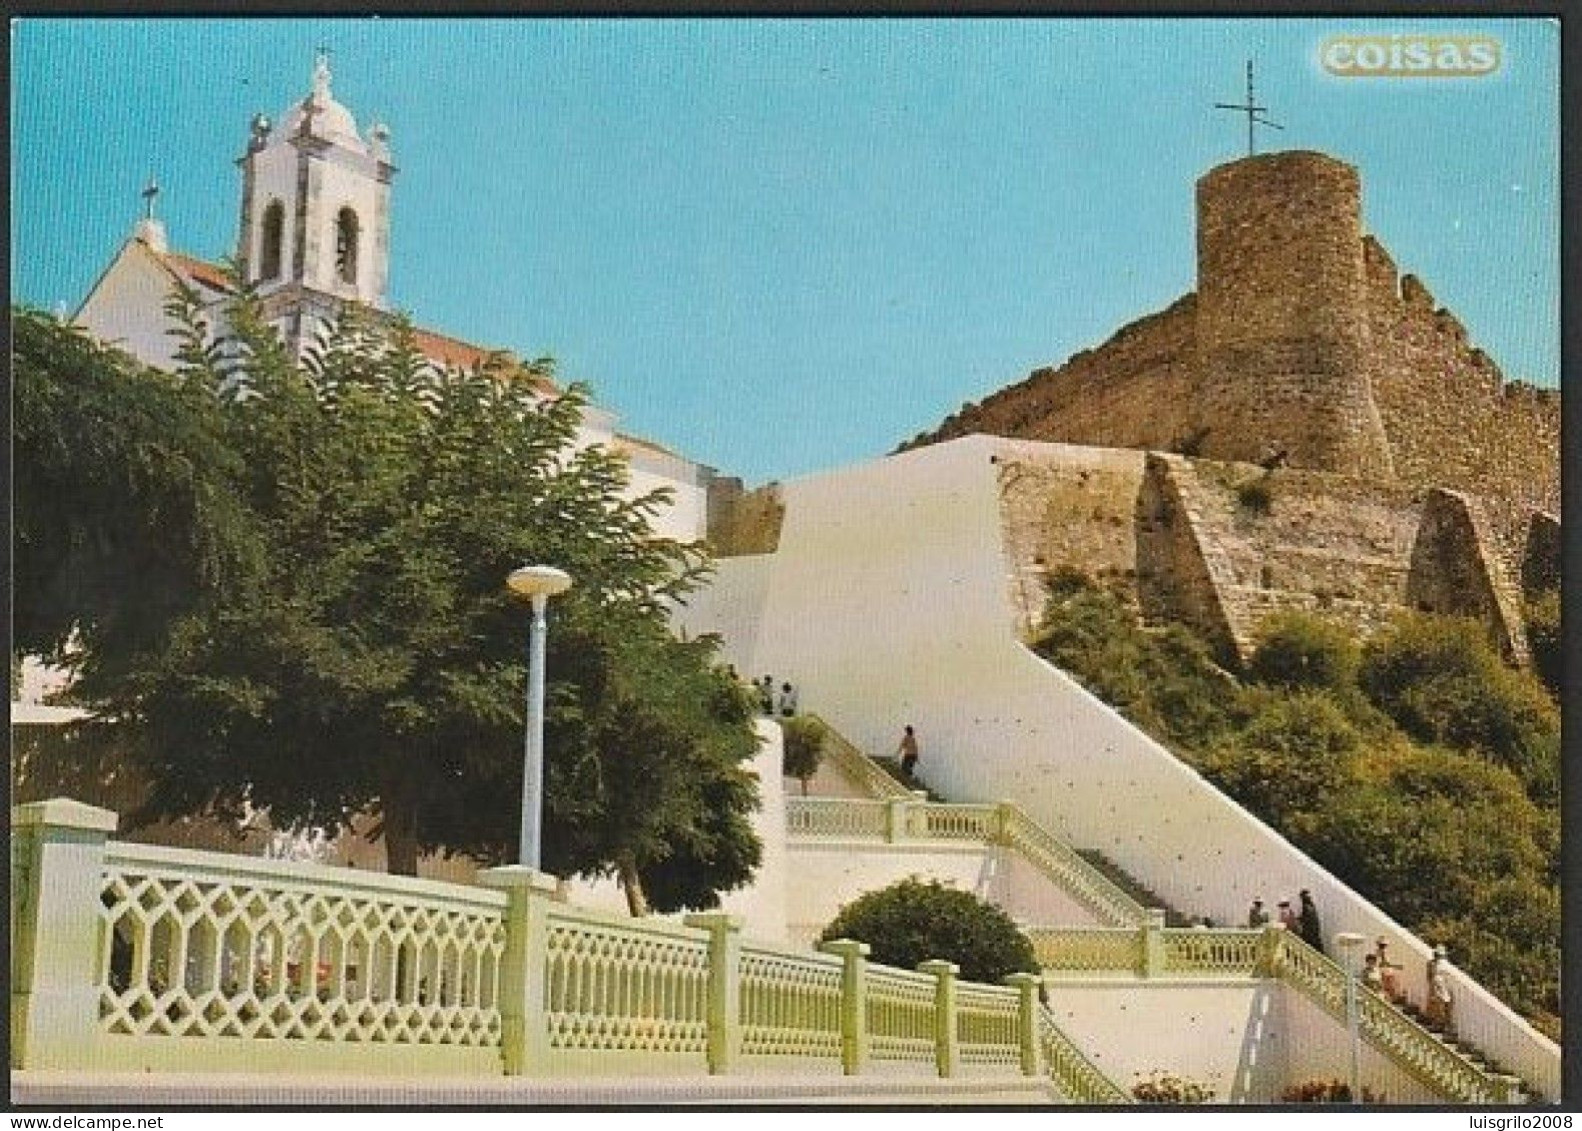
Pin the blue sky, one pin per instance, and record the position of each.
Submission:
(783, 246)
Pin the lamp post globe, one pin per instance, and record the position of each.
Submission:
(538, 584)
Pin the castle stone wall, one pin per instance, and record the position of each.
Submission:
(1134, 391)
(1451, 417)
(1065, 505)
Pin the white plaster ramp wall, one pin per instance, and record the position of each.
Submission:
(1247, 1040)
(888, 602)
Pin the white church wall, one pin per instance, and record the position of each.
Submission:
(888, 603)
(686, 517)
(126, 308)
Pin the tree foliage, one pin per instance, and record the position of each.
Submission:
(804, 748)
(1545, 636)
(1421, 769)
(1299, 650)
(914, 920)
(123, 508)
(369, 657)
(1442, 682)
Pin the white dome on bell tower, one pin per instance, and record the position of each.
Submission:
(315, 215)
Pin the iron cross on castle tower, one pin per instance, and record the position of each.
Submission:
(1254, 112)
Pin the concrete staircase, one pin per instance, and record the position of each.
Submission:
(1397, 1038)
(1133, 887)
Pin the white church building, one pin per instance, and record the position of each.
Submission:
(314, 235)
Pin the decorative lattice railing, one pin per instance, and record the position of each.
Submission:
(908, 817)
(837, 818)
(955, 822)
(1088, 950)
(231, 948)
(790, 1005)
(988, 1026)
(857, 767)
(625, 987)
(132, 957)
(1076, 1076)
(1063, 866)
(900, 1016)
(1224, 952)
(1385, 1027)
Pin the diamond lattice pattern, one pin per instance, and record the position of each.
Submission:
(248, 959)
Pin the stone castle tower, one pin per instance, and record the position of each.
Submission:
(1404, 470)
(1282, 324)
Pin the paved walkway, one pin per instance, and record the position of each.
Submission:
(168, 1090)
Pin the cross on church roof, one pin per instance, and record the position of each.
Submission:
(149, 195)
(1255, 113)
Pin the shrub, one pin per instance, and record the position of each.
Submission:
(1168, 1088)
(1299, 650)
(1327, 1092)
(1256, 495)
(804, 748)
(1167, 682)
(1442, 681)
(1293, 752)
(915, 920)
(1545, 639)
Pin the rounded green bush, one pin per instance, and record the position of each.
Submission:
(1298, 650)
(915, 920)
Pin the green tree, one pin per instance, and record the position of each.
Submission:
(123, 504)
(804, 748)
(1433, 794)
(915, 920)
(1291, 756)
(371, 658)
(1166, 681)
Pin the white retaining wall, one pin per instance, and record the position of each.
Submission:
(825, 875)
(888, 603)
(1246, 1039)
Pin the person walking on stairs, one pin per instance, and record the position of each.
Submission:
(1312, 935)
(908, 750)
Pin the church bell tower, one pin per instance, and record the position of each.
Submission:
(315, 217)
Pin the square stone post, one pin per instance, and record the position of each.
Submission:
(524, 989)
(1153, 942)
(897, 819)
(1004, 818)
(947, 1054)
(1269, 953)
(853, 1002)
(725, 987)
(59, 851)
(1026, 986)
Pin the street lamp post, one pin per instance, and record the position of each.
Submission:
(538, 584)
(1348, 942)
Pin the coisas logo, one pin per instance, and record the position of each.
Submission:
(1410, 56)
